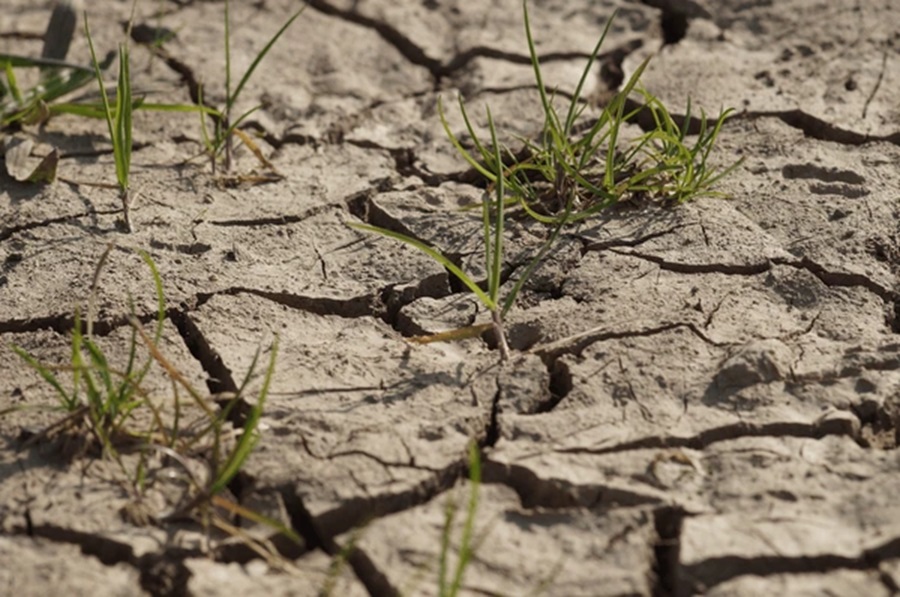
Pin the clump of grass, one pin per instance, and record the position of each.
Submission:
(571, 173)
(493, 207)
(682, 171)
(224, 458)
(104, 403)
(561, 175)
(100, 399)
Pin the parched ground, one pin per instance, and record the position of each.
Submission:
(702, 399)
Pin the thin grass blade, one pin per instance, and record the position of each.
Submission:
(550, 114)
(122, 142)
(68, 402)
(573, 113)
(250, 434)
(106, 107)
(495, 261)
(465, 549)
(232, 97)
(437, 256)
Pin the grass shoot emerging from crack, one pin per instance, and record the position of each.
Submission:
(101, 397)
(57, 77)
(110, 409)
(493, 218)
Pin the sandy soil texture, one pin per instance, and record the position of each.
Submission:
(701, 399)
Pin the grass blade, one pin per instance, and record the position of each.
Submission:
(465, 550)
(572, 114)
(494, 263)
(160, 294)
(122, 142)
(250, 434)
(68, 402)
(232, 97)
(549, 113)
(462, 150)
(437, 256)
(105, 99)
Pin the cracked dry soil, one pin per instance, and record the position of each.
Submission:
(702, 399)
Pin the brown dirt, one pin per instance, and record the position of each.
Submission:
(701, 399)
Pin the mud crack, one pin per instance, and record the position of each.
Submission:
(560, 375)
(536, 492)
(811, 126)
(360, 306)
(63, 324)
(108, 551)
(389, 33)
(616, 55)
(303, 522)
(841, 426)
(387, 464)
(220, 380)
(699, 577)
(164, 574)
(161, 573)
(833, 278)
(588, 244)
(322, 531)
(282, 220)
(828, 277)
(576, 344)
(492, 432)
(8, 231)
(816, 128)
(729, 269)
(439, 70)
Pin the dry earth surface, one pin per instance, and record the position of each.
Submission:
(702, 399)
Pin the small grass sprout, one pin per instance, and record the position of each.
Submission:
(468, 543)
(33, 105)
(118, 120)
(225, 124)
(493, 207)
(57, 77)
